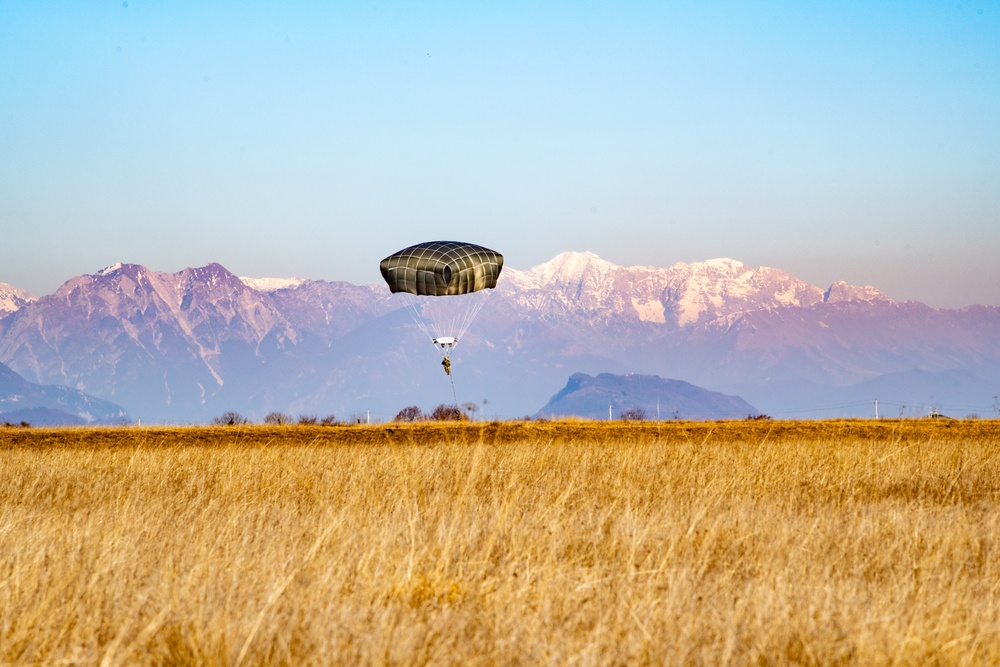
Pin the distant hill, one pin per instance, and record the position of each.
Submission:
(41, 417)
(657, 398)
(918, 393)
(50, 405)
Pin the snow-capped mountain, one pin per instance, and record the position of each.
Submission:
(683, 295)
(187, 346)
(268, 285)
(12, 298)
(145, 338)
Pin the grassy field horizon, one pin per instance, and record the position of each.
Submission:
(763, 542)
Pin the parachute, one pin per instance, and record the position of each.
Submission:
(442, 268)
(443, 285)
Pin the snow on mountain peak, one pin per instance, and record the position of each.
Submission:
(682, 294)
(843, 291)
(12, 298)
(268, 285)
(110, 270)
(565, 267)
(723, 265)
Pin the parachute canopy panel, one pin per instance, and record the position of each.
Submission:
(442, 268)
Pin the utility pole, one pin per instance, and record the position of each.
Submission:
(609, 412)
(876, 408)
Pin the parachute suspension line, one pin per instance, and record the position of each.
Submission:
(443, 344)
(413, 308)
(454, 394)
(472, 312)
(460, 319)
(450, 320)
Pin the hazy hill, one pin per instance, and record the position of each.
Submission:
(607, 396)
(46, 405)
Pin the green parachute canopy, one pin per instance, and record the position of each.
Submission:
(442, 268)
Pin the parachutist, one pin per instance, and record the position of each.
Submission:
(443, 270)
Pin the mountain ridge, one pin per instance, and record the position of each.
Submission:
(682, 294)
(39, 405)
(188, 345)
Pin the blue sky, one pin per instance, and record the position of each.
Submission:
(836, 140)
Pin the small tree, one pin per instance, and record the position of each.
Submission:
(277, 419)
(446, 413)
(633, 414)
(230, 418)
(410, 413)
(307, 420)
(329, 420)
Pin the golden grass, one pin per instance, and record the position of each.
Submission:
(508, 543)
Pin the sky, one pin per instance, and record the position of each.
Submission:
(855, 141)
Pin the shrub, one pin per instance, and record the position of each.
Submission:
(277, 418)
(329, 420)
(633, 414)
(306, 420)
(229, 418)
(411, 413)
(446, 413)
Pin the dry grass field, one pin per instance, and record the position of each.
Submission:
(561, 543)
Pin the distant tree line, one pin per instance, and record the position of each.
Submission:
(412, 413)
(442, 413)
(232, 418)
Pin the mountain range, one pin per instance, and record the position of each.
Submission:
(187, 346)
